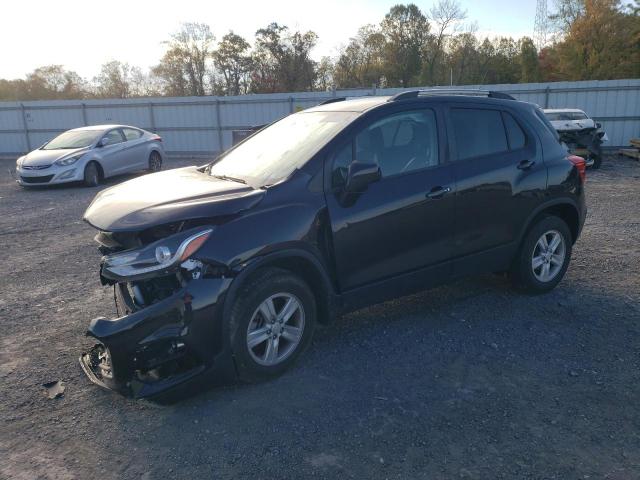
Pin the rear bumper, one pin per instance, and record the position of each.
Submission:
(175, 344)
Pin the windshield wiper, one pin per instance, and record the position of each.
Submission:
(232, 179)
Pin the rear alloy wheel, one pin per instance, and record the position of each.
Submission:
(272, 322)
(155, 162)
(543, 257)
(91, 175)
(548, 256)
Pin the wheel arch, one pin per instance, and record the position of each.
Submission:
(564, 208)
(99, 165)
(302, 263)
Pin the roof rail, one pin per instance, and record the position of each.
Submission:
(333, 100)
(449, 91)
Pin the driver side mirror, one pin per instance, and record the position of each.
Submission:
(360, 175)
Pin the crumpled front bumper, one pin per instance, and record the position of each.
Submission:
(179, 341)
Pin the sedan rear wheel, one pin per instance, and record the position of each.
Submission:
(155, 162)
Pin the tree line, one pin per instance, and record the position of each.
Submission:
(590, 40)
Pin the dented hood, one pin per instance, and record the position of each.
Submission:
(165, 197)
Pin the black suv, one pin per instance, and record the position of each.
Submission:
(222, 272)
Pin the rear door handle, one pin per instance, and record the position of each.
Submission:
(526, 164)
(438, 192)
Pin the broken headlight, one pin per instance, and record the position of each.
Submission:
(161, 256)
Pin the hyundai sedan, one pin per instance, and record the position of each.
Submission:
(91, 154)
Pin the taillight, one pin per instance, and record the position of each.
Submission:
(580, 165)
(157, 138)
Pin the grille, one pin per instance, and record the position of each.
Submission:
(44, 179)
(35, 167)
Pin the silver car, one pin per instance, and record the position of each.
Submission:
(91, 154)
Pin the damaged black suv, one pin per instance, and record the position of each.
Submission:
(222, 272)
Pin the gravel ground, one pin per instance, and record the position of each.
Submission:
(470, 380)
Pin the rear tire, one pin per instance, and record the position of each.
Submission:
(91, 175)
(597, 161)
(259, 324)
(543, 257)
(155, 162)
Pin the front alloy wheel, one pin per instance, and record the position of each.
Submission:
(275, 329)
(271, 322)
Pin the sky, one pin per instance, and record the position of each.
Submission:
(81, 35)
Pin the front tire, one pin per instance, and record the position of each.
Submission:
(543, 257)
(272, 321)
(91, 175)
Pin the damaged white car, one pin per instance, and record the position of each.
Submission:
(578, 131)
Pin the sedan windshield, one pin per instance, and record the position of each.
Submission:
(274, 153)
(73, 139)
(557, 116)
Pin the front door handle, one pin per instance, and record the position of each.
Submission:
(438, 192)
(526, 164)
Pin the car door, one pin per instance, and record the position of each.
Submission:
(113, 158)
(499, 176)
(404, 221)
(135, 149)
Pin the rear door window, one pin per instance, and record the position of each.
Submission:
(113, 137)
(478, 132)
(131, 133)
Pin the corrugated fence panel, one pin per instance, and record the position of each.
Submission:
(134, 114)
(12, 143)
(57, 119)
(197, 125)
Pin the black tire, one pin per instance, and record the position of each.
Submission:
(92, 175)
(597, 161)
(522, 273)
(259, 287)
(155, 162)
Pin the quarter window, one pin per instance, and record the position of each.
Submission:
(478, 132)
(516, 136)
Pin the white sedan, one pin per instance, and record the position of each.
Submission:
(91, 154)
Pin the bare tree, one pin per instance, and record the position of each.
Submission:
(187, 62)
(445, 16)
(114, 80)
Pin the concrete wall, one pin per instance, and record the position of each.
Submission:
(204, 125)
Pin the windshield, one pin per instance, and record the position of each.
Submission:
(557, 116)
(73, 139)
(274, 153)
